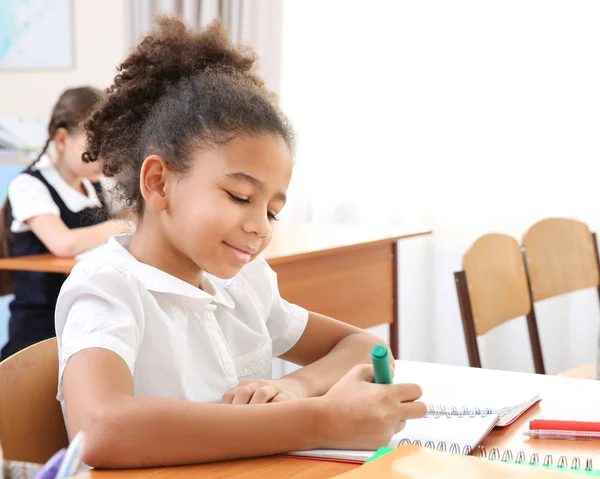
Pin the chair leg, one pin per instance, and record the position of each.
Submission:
(534, 335)
(466, 314)
(536, 346)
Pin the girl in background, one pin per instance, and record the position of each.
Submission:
(57, 205)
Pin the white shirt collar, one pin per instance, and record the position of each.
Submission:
(74, 200)
(157, 280)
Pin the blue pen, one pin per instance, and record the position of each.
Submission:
(381, 365)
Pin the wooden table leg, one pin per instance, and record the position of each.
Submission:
(394, 330)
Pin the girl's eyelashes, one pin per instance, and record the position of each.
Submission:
(237, 199)
(242, 201)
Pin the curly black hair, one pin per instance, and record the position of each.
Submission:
(178, 91)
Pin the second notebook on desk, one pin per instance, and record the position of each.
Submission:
(418, 463)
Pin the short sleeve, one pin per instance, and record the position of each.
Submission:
(29, 197)
(286, 322)
(98, 307)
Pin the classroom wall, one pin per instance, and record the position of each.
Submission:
(466, 117)
(99, 44)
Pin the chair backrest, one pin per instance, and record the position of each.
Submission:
(493, 289)
(561, 257)
(497, 281)
(31, 421)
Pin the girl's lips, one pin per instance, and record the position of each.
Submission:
(242, 253)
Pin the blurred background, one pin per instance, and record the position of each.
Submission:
(464, 117)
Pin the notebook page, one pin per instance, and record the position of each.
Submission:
(437, 433)
(467, 391)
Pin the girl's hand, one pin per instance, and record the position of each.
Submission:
(264, 391)
(358, 414)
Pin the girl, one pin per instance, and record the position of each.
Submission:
(165, 345)
(56, 205)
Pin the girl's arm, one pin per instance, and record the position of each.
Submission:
(63, 241)
(327, 349)
(125, 431)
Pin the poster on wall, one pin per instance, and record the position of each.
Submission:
(35, 34)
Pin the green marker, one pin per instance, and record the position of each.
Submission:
(380, 452)
(381, 365)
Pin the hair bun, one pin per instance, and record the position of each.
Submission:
(173, 51)
(170, 53)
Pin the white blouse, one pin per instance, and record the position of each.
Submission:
(178, 341)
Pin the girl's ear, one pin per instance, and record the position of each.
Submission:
(60, 139)
(154, 181)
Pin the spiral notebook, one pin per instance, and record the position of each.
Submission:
(448, 423)
(421, 463)
(461, 433)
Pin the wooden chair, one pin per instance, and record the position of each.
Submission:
(562, 257)
(492, 289)
(31, 421)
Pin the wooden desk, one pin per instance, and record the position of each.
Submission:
(347, 272)
(561, 398)
(587, 371)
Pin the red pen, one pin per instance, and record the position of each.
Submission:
(554, 425)
(550, 434)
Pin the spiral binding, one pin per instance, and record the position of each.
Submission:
(505, 456)
(441, 446)
(534, 459)
(439, 410)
